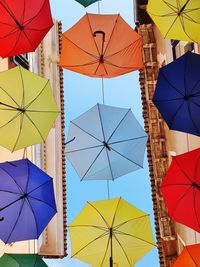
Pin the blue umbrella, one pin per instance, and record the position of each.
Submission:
(105, 143)
(177, 94)
(27, 202)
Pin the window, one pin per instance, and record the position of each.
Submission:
(176, 49)
(21, 60)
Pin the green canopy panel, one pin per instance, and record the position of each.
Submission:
(22, 260)
(86, 3)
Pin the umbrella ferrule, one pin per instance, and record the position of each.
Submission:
(183, 8)
(106, 145)
(101, 59)
(21, 109)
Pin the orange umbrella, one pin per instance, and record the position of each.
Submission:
(101, 46)
(189, 257)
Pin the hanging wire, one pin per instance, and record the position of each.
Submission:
(99, 11)
(108, 189)
(25, 153)
(103, 93)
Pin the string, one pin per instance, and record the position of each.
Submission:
(99, 11)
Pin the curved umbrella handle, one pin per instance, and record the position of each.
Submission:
(103, 40)
(1, 219)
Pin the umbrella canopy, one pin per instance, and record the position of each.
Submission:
(86, 3)
(177, 97)
(94, 47)
(176, 19)
(180, 189)
(22, 260)
(23, 25)
(108, 142)
(111, 233)
(26, 199)
(27, 108)
(189, 257)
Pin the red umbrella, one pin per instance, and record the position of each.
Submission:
(189, 257)
(23, 25)
(181, 189)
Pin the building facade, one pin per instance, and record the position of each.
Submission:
(163, 143)
(50, 155)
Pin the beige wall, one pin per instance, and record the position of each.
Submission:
(177, 142)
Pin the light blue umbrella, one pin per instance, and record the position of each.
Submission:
(105, 143)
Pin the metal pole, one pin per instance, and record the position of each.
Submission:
(111, 247)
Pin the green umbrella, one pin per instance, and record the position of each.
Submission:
(86, 3)
(22, 260)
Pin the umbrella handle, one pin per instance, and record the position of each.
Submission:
(70, 140)
(1, 219)
(103, 40)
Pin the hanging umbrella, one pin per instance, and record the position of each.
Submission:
(94, 46)
(23, 25)
(27, 108)
(26, 199)
(180, 189)
(106, 142)
(176, 19)
(22, 260)
(177, 94)
(189, 257)
(86, 3)
(111, 233)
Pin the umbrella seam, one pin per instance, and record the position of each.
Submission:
(119, 225)
(20, 130)
(102, 217)
(127, 140)
(191, 256)
(114, 215)
(179, 166)
(82, 149)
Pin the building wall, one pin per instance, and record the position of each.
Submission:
(48, 156)
(163, 143)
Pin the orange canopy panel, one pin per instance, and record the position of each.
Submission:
(190, 257)
(101, 46)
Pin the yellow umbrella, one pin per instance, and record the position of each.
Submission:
(176, 19)
(27, 108)
(111, 233)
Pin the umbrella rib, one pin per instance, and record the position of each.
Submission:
(170, 6)
(133, 219)
(127, 140)
(33, 100)
(191, 256)
(195, 177)
(171, 85)
(44, 111)
(31, 19)
(6, 7)
(27, 38)
(9, 96)
(81, 48)
(190, 114)
(167, 185)
(121, 67)
(118, 125)
(102, 235)
(92, 164)
(13, 228)
(108, 56)
(106, 223)
(168, 100)
(20, 130)
(39, 200)
(35, 127)
(12, 119)
(184, 173)
(88, 225)
(82, 149)
(136, 237)
(179, 201)
(122, 249)
(127, 158)
(187, 17)
(107, 246)
(16, 41)
(195, 87)
(86, 132)
(22, 104)
(111, 171)
(194, 202)
(90, 26)
(175, 114)
(111, 35)
(183, 27)
(31, 208)
(114, 216)
(13, 31)
(83, 65)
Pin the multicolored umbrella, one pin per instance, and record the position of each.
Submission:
(181, 189)
(189, 257)
(23, 25)
(108, 142)
(22, 260)
(27, 108)
(177, 97)
(176, 19)
(86, 3)
(26, 199)
(100, 51)
(111, 233)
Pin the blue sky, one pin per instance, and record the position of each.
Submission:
(81, 93)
